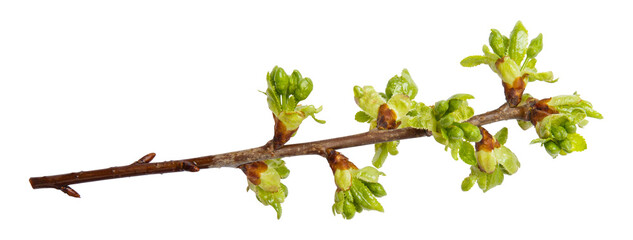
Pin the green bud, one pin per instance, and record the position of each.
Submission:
(402, 85)
(508, 70)
(570, 127)
(270, 180)
(376, 188)
(343, 179)
(454, 104)
(566, 145)
(486, 161)
(471, 132)
(304, 88)
(348, 210)
(446, 121)
(440, 108)
(455, 133)
(282, 81)
(552, 148)
(294, 82)
(518, 43)
(497, 42)
(558, 133)
(536, 45)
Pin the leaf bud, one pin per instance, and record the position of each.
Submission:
(558, 133)
(446, 121)
(282, 81)
(497, 43)
(552, 148)
(536, 45)
(566, 145)
(455, 133)
(401, 85)
(471, 132)
(570, 127)
(518, 43)
(304, 88)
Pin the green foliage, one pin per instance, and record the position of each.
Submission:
(284, 94)
(360, 194)
(557, 132)
(446, 120)
(398, 96)
(490, 166)
(270, 191)
(512, 58)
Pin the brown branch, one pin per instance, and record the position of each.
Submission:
(234, 159)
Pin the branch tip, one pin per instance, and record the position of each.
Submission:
(145, 159)
(190, 166)
(71, 192)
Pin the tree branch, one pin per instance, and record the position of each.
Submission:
(234, 159)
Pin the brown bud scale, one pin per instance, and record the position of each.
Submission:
(253, 171)
(338, 161)
(282, 135)
(386, 118)
(487, 143)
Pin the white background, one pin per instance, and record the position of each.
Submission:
(88, 85)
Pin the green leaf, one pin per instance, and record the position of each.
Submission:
(475, 60)
(538, 140)
(467, 153)
(368, 100)
(578, 143)
(380, 155)
(454, 145)
(468, 183)
(461, 96)
(368, 174)
(507, 160)
(543, 76)
(536, 45)
(518, 43)
(502, 136)
(362, 117)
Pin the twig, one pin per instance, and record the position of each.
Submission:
(234, 159)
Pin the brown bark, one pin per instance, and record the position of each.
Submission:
(237, 158)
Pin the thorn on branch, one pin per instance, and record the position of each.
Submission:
(145, 159)
(190, 166)
(69, 191)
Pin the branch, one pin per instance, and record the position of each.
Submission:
(237, 158)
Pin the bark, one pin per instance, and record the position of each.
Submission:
(237, 158)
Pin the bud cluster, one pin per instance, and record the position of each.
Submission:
(284, 93)
(386, 110)
(356, 189)
(513, 60)
(493, 161)
(264, 178)
(556, 120)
